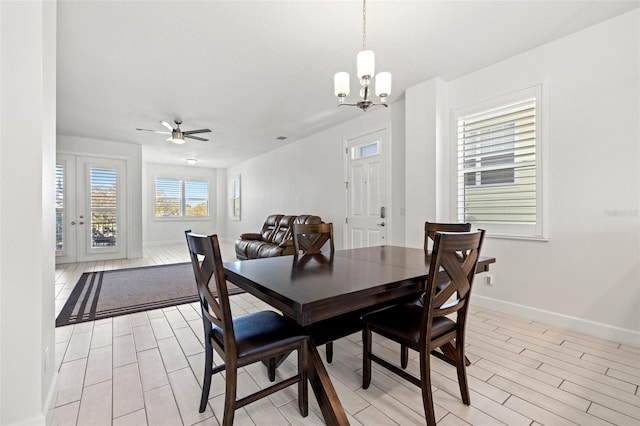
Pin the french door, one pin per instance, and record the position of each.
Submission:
(90, 209)
(366, 191)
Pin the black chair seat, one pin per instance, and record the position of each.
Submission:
(261, 331)
(404, 323)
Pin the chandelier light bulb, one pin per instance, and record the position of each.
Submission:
(383, 84)
(366, 64)
(341, 84)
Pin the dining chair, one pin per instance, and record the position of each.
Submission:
(430, 229)
(310, 239)
(426, 328)
(258, 336)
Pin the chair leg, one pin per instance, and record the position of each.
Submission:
(404, 356)
(303, 387)
(271, 369)
(425, 384)
(461, 367)
(329, 348)
(366, 361)
(230, 395)
(206, 383)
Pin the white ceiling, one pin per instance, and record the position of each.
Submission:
(253, 71)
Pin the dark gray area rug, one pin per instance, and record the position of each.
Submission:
(105, 294)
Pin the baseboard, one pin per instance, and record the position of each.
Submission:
(580, 325)
(46, 417)
(31, 421)
(49, 403)
(163, 243)
(170, 243)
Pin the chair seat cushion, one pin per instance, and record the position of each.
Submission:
(260, 331)
(403, 322)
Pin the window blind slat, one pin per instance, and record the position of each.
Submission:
(497, 165)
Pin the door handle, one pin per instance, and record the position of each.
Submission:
(73, 223)
(81, 223)
(380, 224)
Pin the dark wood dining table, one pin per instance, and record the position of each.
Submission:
(326, 293)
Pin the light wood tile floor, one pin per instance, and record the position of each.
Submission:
(146, 369)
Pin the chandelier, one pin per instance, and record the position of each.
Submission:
(366, 70)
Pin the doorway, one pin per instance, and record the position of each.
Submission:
(366, 190)
(90, 209)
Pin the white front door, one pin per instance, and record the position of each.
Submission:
(366, 191)
(90, 209)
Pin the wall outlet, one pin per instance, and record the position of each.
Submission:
(489, 279)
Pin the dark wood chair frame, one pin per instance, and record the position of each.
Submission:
(460, 271)
(430, 229)
(216, 312)
(310, 239)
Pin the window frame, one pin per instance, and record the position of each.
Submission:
(539, 230)
(183, 198)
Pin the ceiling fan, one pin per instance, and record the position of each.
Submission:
(178, 135)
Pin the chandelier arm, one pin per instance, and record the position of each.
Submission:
(368, 105)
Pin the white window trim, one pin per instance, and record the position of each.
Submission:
(539, 231)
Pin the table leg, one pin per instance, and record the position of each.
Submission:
(324, 391)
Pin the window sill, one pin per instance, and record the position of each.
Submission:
(180, 219)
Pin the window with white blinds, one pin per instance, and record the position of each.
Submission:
(498, 166)
(60, 207)
(103, 206)
(175, 198)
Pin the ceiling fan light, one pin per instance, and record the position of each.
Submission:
(177, 141)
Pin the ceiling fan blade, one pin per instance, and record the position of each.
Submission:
(167, 125)
(195, 137)
(154, 131)
(191, 132)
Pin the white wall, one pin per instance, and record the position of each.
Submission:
(132, 154)
(171, 231)
(307, 177)
(27, 239)
(587, 276)
(425, 137)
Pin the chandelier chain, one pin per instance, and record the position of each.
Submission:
(364, 24)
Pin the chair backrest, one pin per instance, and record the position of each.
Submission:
(269, 226)
(455, 257)
(283, 232)
(307, 218)
(310, 238)
(430, 229)
(207, 267)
